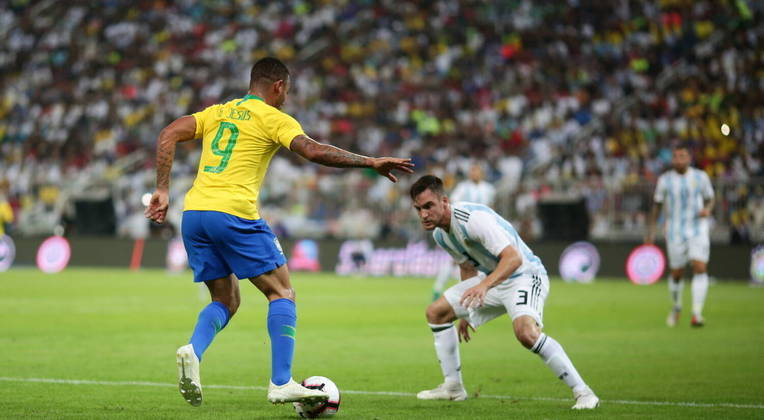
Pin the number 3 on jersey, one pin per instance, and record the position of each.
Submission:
(224, 153)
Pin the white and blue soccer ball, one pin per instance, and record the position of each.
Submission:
(322, 409)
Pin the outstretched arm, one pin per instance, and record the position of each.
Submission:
(182, 129)
(328, 155)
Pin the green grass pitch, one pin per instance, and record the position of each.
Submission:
(118, 331)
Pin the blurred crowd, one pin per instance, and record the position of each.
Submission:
(553, 99)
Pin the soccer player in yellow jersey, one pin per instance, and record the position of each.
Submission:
(222, 230)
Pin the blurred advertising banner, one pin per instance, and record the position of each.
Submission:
(7, 252)
(53, 254)
(579, 262)
(757, 265)
(415, 259)
(305, 256)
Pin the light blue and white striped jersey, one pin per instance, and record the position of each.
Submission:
(481, 192)
(682, 196)
(478, 234)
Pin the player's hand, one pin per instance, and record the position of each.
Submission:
(704, 212)
(386, 165)
(157, 209)
(464, 331)
(474, 296)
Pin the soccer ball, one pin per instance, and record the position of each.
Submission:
(322, 409)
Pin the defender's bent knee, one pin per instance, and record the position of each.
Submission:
(527, 331)
(440, 312)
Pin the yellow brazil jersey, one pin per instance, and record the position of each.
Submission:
(239, 138)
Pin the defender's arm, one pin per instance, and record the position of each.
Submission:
(509, 261)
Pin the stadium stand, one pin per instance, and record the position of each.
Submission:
(586, 107)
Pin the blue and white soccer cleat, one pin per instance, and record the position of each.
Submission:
(189, 384)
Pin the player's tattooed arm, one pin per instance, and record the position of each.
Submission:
(328, 155)
(181, 129)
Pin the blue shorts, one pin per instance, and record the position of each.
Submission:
(219, 244)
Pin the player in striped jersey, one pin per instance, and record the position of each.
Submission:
(500, 274)
(473, 190)
(686, 195)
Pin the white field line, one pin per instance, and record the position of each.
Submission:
(383, 393)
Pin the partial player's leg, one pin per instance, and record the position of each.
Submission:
(282, 328)
(440, 318)
(675, 286)
(213, 318)
(209, 267)
(698, 252)
(525, 304)
(551, 352)
(699, 292)
(677, 256)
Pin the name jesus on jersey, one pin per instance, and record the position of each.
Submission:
(478, 234)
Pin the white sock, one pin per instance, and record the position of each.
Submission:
(443, 275)
(675, 290)
(552, 353)
(699, 290)
(447, 350)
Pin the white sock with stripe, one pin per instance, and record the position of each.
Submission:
(552, 353)
(699, 291)
(675, 290)
(447, 350)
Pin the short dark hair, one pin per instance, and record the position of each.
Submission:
(268, 69)
(427, 182)
(681, 145)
